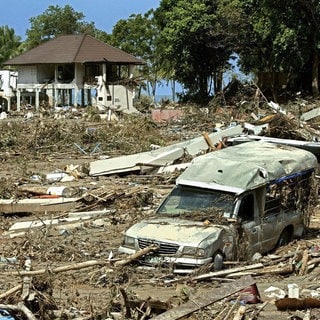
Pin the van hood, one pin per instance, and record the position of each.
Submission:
(174, 230)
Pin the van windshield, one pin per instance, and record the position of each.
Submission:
(184, 200)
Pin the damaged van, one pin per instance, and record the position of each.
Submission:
(228, 205)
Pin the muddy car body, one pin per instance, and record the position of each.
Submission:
(227, 205)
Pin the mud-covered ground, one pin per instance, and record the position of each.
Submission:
(39, 147)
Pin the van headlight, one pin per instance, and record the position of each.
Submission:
(193, 252)
(129, 242)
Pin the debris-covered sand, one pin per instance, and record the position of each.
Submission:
(71, 269)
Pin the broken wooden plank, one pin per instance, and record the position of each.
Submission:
(211, 297)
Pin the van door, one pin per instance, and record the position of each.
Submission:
(270, 223)
(270, 230)
(247, 213)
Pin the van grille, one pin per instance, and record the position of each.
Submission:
(165, 248)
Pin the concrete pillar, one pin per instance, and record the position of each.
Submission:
(9, 104)
(55, 96)
(18, 100)
(37, 99)
(76, 91)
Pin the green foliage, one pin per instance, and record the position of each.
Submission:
(139, 36)
(10, 44)
(56, 21)
(280, 36)
(198, 42)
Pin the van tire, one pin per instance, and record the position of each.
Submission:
(218, 261)
(285, 237)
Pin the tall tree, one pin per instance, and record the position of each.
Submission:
(282, 36)
(197, 43)
(10, 44)
(57, 21)
(139, 36)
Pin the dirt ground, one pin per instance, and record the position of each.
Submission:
(100, 291)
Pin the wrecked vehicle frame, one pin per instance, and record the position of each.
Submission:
(229, 205)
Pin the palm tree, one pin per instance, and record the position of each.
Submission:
(10, 44)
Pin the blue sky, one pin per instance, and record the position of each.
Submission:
(104, 13)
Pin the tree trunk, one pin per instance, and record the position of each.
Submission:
(173, 90)
(219, 80)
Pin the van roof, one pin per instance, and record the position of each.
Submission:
(246, 166)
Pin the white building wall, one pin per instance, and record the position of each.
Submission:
(27, 74)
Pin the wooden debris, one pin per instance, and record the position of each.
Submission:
(75, 266)
(148, 306)
(256, 312)
(208, 141)
(281, 269)
(137, 255)
(240, 313)
(223, 312)
(221, 273)
(297, 304)
(232, 309)
(304, 263)
(11, 291)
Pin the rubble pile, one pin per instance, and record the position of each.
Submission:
(63, 216)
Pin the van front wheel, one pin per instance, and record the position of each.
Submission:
(218, 261)
(285, 237)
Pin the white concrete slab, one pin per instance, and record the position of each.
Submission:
(162, 156)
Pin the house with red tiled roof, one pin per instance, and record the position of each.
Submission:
(76, 70)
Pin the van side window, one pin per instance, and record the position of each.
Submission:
(288, 194)
(246, 209)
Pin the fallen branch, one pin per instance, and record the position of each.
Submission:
(75, 266)
(136, 255)
(313, 261)
(266, 270)
(226, 272)
(11, 291)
